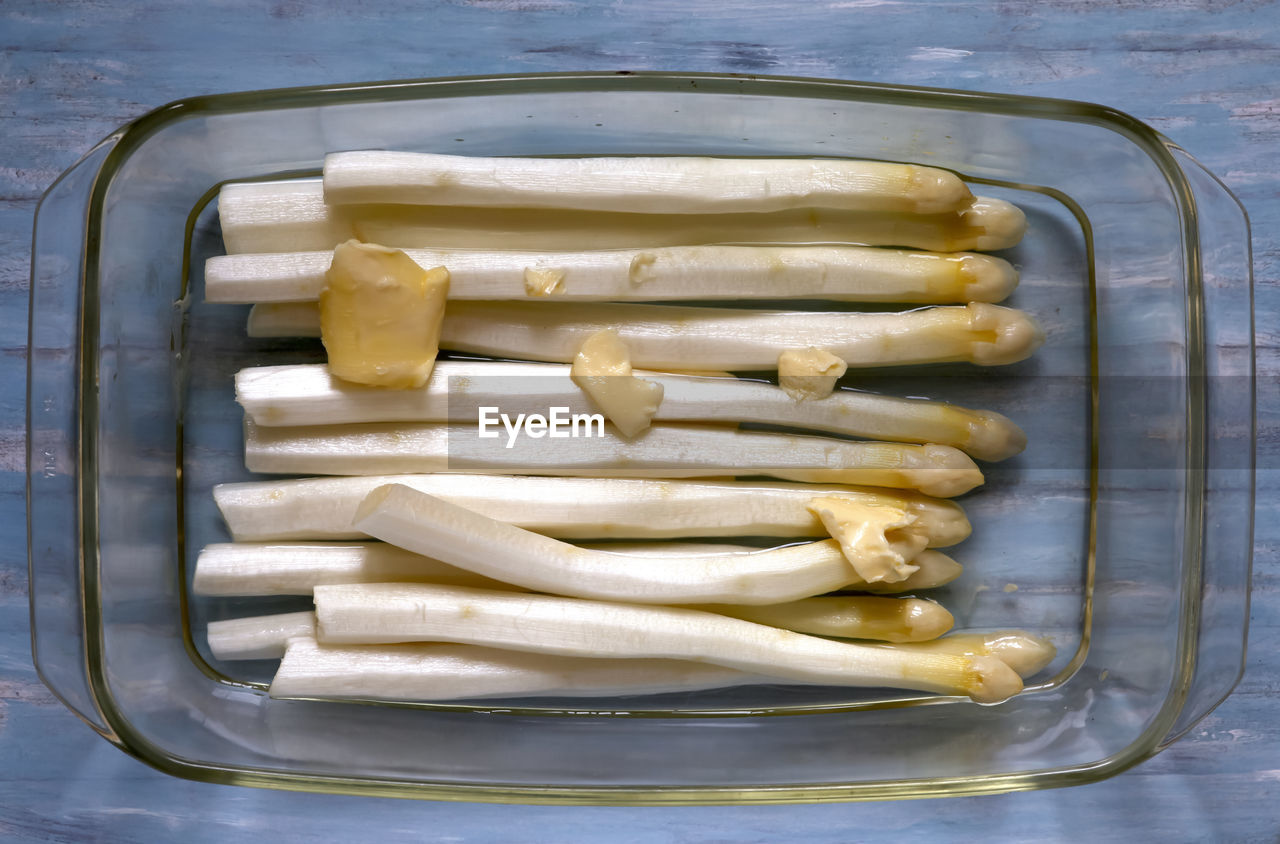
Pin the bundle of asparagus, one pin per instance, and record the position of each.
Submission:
(461, 582)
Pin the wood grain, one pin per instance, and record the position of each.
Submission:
(1203, 71)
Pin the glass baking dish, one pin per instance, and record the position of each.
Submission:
(1126, 526)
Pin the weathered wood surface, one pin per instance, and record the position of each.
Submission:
(1202, 71)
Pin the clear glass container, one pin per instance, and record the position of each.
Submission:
(1126, 525)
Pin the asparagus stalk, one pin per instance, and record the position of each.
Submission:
(425, 524)
(292, 216)
(665, 451)
(309, 395)
(439, 671)
(1024, 652)
(668, 185)
(296, 568)
(385, 613)
(850, 617)
(670, 337)
(258, 637)
(835, 273)
(572, 508)
(241, 568)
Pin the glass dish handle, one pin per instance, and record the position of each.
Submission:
(1226, 270)
(54, 532)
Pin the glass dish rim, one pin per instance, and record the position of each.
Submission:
(130, 136)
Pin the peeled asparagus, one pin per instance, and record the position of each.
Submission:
(439, 671)
(835, 273)
(292, 216)
(850, 617)
(425, 524)
(258, 637)
(244, 568)
(296, 568)
(1024, 652)
(670, 337)
(308, 394)
(385, 613)
(572, 508)
(665, 451)
(667, 185)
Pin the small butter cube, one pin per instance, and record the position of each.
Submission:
(380, 316)
(809, 373)
(602, 368)
(876, 539)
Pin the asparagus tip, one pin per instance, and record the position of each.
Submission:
(1009, 335)
(987, 278)
(1003, 224)
(994, 436)
(1025, 653)
(925, 620)
(990, 680)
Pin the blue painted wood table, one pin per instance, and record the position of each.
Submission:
(1207, 73)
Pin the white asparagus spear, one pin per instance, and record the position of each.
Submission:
(671, 337)
(834, 273)
(664, 451)
(666, 185)
(258, 637)
(242, 568)
(850, 617)
(440, 671)
(296, 568)
(385, 613)
(308, 394)
(572, 508)
(292, 216)
(425, 524)
(1024, 652)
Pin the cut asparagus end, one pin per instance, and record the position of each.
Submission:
(425, 524)
(383, 613)
(877, 541)
(252, 568)
(1002, 223)
(258, 637)
(669, 185)
(571, 508)
(850, 617)
(439, 671)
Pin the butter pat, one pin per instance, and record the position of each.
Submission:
(380, 316)
(877, 540)
(543, 281)
(809, 373)
(602, 368)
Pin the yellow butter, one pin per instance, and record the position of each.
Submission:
(876, 539)
(809, 373)
(380, 316)
(602, 368)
